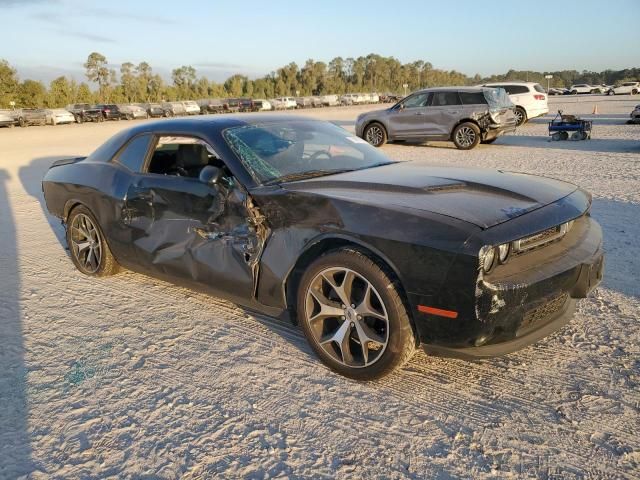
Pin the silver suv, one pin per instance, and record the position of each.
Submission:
(464, 115)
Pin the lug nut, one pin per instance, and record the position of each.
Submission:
(342, 317)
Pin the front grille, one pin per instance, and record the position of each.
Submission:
(541, 239)
(544, 311)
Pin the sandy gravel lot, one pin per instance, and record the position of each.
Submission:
(131, 377)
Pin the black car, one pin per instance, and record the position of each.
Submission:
(111, 112)
(154, 110)
(83, 112)
(232, 105)
(211, 105)
(294, 217)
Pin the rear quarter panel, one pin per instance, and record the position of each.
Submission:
(99, 186)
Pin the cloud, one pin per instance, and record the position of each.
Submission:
(24, 3)
(219, 65)
(114, 14)
(84, 35)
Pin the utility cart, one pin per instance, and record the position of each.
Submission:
(564, 126)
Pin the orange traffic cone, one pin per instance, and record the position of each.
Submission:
(595, 110)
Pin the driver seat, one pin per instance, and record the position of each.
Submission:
(191, 158)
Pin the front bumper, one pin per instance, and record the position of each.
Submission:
(531, 296)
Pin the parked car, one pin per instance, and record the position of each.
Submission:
(83, 112)
(584, 88)
(371, 257)
(246, 104)
(287, 102)
(261, 105)
(132, 111)
(233, 104)
(278, 104)
(635, 115)
(110, 111)
(154, 110)
(173, 109)
(59, 116)
(557, 91)
(31, 116)
(330, 100)
(211, 105)
(464, 115)
(304, 102)
(529, 98)
(374, 98)
(316, 102)
(8, 118)
(626, 88)
(191, 107)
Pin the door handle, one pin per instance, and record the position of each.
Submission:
(420, 113)
(453, 112)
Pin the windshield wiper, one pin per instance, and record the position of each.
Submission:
(291, 177)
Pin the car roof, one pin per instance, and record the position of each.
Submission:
(215, 123)
(451, 89)
(511, 82)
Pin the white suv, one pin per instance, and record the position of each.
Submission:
(584, 88)
(529, 98)
(631, 88)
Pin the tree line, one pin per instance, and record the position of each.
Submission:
(372, 73)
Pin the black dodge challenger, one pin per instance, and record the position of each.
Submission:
(299, 218)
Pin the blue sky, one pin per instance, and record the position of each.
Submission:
(48, 38)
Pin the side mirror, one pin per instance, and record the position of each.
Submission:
(210, 175)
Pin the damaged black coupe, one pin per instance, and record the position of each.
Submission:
(298, 218)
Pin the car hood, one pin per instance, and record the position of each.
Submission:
(481, 197)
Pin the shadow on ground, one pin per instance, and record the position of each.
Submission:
(15, 447)
(31, 179)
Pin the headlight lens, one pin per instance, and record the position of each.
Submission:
(488, 258)
(503, 252)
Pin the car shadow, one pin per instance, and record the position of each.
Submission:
(15, 447)
(610, 145)
(602, 119)
(31, 179)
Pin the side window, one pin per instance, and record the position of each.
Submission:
(444, 99)
(417, 100)
(182, 156)
(473, 98)
(134, 153)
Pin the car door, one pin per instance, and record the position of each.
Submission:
(408, 119)
(182, 228)
(445, 111)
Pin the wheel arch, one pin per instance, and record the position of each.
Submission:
(326, 243)
(379, 122)
(465, 120)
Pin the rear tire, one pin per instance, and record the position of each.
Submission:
(375, 134)
(370, 334)
(634, 92)
(22, 122)
(521, 116)
(466, 136)
(89, 250)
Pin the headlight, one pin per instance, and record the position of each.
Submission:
(487, 258)
(503, 252)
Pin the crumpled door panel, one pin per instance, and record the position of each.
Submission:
(184, 228)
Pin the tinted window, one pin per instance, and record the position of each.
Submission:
(132, 156)
(443, 99)
(417, 100)
(472, 98)
(538, 88)
(516, 89)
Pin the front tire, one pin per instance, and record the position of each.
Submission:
(353, 316)
(466, 136)
(87, 245)
(375, 134)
